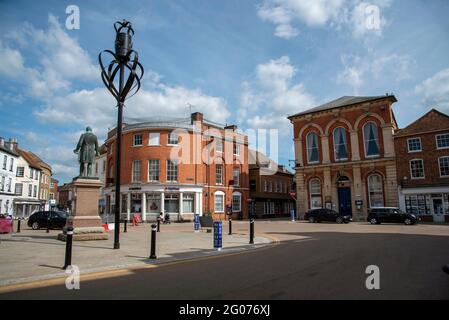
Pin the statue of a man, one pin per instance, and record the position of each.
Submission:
(87, 149)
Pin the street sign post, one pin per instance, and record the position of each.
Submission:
(218, 235)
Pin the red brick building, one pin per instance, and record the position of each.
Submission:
(345, 157)
(180, 167)
(270, 186)
(54, 189)
(422, 150)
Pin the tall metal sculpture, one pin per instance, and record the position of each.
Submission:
(124, 59)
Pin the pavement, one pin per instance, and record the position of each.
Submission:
(304, 261)
(36, 255)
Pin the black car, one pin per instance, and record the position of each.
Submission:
(39, 219)
(319, 215)
(390, 215)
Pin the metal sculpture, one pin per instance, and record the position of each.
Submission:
(124, 59)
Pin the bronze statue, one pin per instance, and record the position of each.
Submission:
(87, 149)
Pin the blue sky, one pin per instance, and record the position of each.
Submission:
(247, 62)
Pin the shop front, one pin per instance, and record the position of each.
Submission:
(181, 203)
(430, 204)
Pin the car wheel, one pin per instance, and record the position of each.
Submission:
(408, 222)
(373, 221)
(339, 220)
(35, 226)
(311, 220)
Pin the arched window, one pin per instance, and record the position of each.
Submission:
(371, 140)
(340, 144)
(315, 194)
(375, 191)
(312, 148)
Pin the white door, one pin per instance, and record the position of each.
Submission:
(437, 205)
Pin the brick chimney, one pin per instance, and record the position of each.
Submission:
(196, 116)
(12, 143)
(232, 127)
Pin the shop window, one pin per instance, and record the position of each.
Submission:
(375, 191)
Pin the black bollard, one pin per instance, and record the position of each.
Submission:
(251, 230)
(230, 225)
(68, 248)
(158, 224)
(48, 223)
(153, 242)
(126, 226)
(18, 225)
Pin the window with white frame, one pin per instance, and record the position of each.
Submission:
(340, 144)
(265, 186)
(444, 166)
(442, 141)
(19, 189)
(375, 191)
(172, 170)
(371, 140)
(268, 207)
(137, 140)
(31, 173)
(2, 185)
(414, 145)
(236, 149)
(20, 171)
(9, 184)
(154, 139)
(316, 200)
(270, 186)
(5, 161)
(219, 174)
(312, 148)
(236, 176)
(11, 166)
(153, 170)
(187, 203)
(137, 170)
(34, 191)
(173, 138)
(236, 202)
(417, 169)
(30, 190)
(219, 200)
(219, 145)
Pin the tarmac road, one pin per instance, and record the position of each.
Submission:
(318, 263)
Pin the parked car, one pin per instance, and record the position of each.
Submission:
(5, 223)
(391, 215)
(39, 219)
(318, 215)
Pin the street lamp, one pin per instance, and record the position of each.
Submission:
(123, 59)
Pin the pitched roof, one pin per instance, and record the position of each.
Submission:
(343, 102)
(32, 161)
(6, 148)
(258, 160)
(42, 164)
(426, 123)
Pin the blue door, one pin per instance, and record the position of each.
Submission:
(344, 201)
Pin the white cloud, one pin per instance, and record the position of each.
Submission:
(435, 91)
(340, 14)
(360, 70)
(272, 96)
(60, 60)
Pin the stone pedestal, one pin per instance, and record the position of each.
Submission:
(84, 218)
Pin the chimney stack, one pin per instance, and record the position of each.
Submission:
(196, 116)
(2, 142)
(232, 127)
